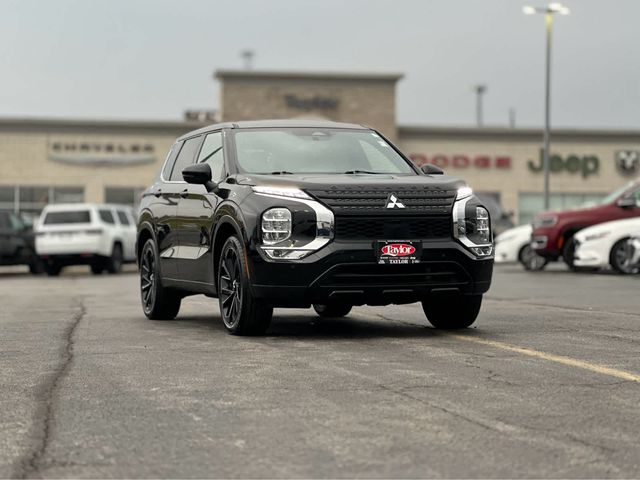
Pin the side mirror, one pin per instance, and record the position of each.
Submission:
(199, 174)
(431, 169)
(626, 202)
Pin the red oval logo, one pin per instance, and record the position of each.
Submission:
(398, 250)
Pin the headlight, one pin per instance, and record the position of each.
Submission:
(548, 221)
(596, 236)
(276, 225)
(281, 192)
(472, 227)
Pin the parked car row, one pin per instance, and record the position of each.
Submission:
(98, 235)
(595, 237)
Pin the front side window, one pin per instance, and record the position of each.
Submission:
(106, 216)
(185, 158)
(317, 150)
(212, 153)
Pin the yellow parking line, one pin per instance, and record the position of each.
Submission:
(572, 362)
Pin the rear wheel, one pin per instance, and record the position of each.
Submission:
(332, 310)
(158, 303)
(114, 262)
(97, 268)
(241, 312)
(530, 260)
(622, 256)
(568, 253)
(452, 312)
(52, 269)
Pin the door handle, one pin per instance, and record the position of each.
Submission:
(184, 193)
(158, 192)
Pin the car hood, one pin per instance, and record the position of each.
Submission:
(626, 227)
(328, 181)
(572, 212)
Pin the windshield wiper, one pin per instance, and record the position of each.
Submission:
(281, 172)
(361, 171)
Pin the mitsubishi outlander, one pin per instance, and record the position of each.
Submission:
(291, 213)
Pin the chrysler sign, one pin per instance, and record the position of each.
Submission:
(100, 153)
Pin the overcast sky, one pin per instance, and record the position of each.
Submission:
(144, 59)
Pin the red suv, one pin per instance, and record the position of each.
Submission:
(553, 232)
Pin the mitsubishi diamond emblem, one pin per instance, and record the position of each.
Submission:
(392, 202)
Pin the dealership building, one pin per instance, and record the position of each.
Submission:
(47, 160)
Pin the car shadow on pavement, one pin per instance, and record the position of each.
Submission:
(312, 327)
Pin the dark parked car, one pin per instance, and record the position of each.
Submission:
(296, 214)
(17, 242)
(553, 232)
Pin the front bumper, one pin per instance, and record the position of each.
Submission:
(348, 273)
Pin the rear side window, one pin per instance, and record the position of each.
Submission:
(171, 159)
(72, 216)
(185, 158)
(124, 220)
(106, 216)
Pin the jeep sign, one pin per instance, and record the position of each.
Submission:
(586, 165)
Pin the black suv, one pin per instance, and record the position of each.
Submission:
(17, 245)
(293, 213)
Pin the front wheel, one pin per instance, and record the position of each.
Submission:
(622, 257)
(158, 303)
(530, 260)
(452, 312)
(332, 310)
(569, 253)
(241, 312)
(114, 262)
(52, 269)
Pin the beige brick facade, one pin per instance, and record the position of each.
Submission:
(358, 98)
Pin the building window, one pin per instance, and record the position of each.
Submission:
(29, 200)
(123, 195)
(530, 204)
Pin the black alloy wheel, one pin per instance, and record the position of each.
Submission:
(114, 263)
(158, 303)
(241, 312)
(452, 312)
(621, 257)
(530, 260)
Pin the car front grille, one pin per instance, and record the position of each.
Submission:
(363, 200)
(385, 228)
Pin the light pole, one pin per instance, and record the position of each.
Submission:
(479, 91)
(549, 11)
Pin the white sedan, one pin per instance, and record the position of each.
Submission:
(514, 245)
(609, 243)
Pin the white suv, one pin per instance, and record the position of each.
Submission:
(102, 236)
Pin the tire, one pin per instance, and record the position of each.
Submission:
(52, 269)
(332, 310)
(97, 268)
(452, 312)
(36, 267)
(241, 312)
(568, 253)
(530, 260)
(621, 255)
(158, 303)
(114, 262)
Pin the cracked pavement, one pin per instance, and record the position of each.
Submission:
(92, 389)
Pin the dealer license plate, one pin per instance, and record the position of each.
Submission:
(398, 252)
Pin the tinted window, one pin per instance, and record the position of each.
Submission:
(106, 216)
(124, 220)
(212, 154)
(185, 158)
(72, 216)
(171, 159)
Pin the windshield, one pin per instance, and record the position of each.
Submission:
(72, 216)
(317, 150)
(615, 194)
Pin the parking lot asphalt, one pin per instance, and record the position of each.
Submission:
(546, 384)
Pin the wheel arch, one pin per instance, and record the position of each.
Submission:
(225, 227)
(145, 232)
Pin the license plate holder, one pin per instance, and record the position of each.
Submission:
(398, 252)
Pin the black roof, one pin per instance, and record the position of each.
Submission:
(292, 123)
